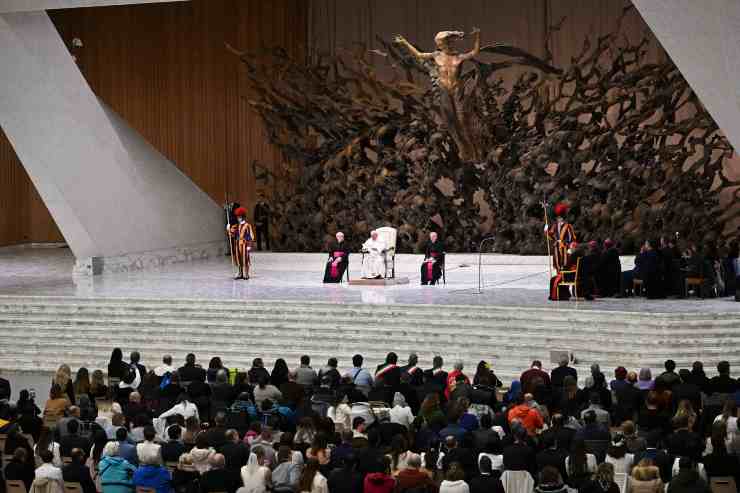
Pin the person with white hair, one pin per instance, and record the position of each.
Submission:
(116, 473)
(412, 477)
(373, 264)
(338, 260)
(401, 412)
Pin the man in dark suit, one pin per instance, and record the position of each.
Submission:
(191, 372)
(412, 374)
(723, 383)
(218, 478)
(389, 373)
(563, 370)
(236, 452)
(436, 377)
(72, 440)
(216, 434)
(78, 472)
(173, 448)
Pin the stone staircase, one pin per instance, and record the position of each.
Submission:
(39, 333)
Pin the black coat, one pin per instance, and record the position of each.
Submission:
(688, 481)
(191, 373)
(220, 480)
(486, 484)
(18, 471)
(79, 473)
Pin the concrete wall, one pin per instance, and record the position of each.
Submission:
(703, 39)
(109, 191)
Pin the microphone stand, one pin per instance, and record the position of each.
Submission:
(480, 263)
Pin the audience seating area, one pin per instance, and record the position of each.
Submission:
(396, 427)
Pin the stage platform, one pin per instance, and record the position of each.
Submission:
(47, 316)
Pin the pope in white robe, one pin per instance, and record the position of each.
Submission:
(373, 265)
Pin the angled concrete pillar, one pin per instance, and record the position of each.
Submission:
(119, 203)
(702, 37)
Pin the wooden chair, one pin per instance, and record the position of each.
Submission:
(637, 286)
(70, 487)
(3, 439)
(574, 282)
(171, 466)
(14, 486)
(723, 484)
(696, 282)
(66, 460)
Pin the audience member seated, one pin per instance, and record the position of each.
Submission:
(46, 442)
(719, 462)
(454, 481)
(191, 372)
(57, 402)
(77, 472)
(520, 456)
(200, 455)
(525, 412)
(266, 449)
(287, 474)
(602, 482)
(579, 465)
(683, 442)
(592, 429)
(617, 455)
(154, 476)
(551, 455)
(48, 477)
(645, 478)
(148, 452)
(551, 481)
(21, 468)
(126, 450)
(256, 476)
(73, 439)
(688, 479)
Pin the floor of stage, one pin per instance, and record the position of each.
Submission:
(508, 280)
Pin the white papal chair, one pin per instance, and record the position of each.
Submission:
(389, 235)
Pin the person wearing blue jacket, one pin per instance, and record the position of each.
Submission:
(116, 473)
(153, 476)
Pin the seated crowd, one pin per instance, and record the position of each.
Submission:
(398, 428)
(662, 269)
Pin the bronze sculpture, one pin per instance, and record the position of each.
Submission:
(445, 73)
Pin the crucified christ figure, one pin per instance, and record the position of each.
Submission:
(446, 73)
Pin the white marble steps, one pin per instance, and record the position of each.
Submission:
(43, 332)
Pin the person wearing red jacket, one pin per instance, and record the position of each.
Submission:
(526, 413)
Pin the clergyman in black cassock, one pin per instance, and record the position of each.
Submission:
(338, 260)
(434, 255)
